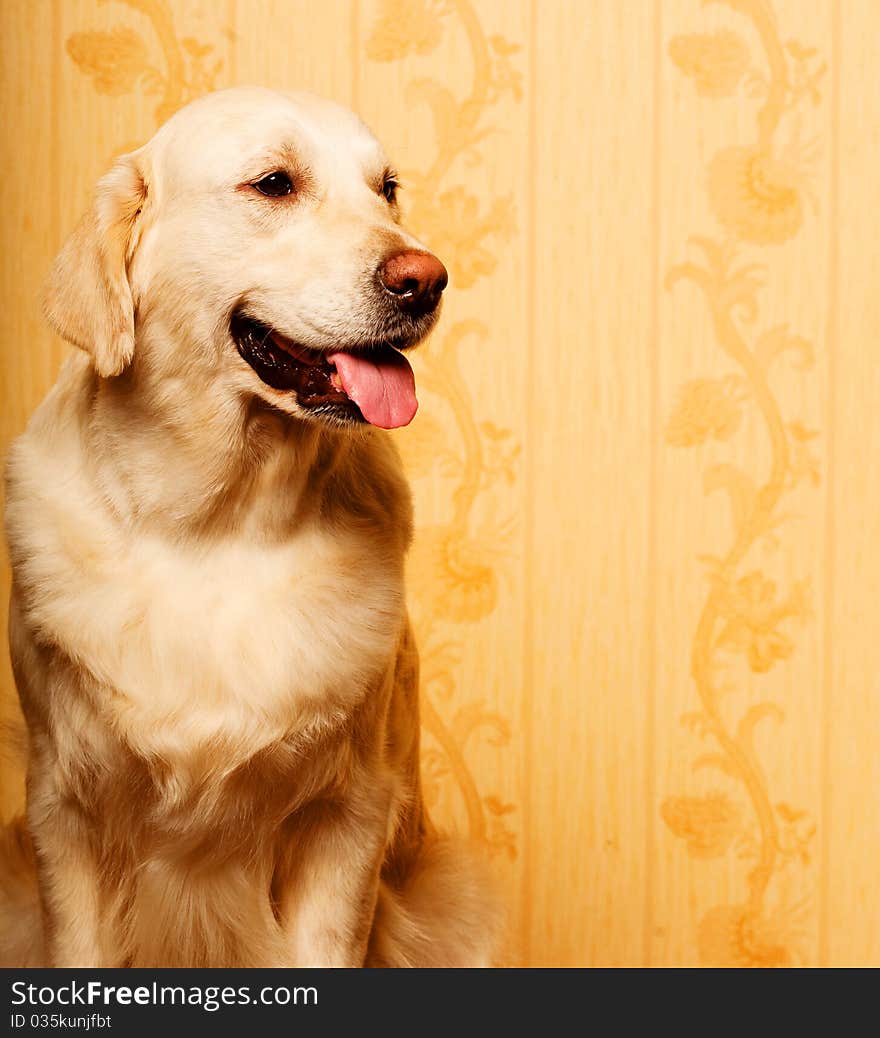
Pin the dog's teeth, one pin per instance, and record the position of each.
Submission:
(336, 381)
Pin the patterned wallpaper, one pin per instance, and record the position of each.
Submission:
(646, 569)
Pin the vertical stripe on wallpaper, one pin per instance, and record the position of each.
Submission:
(854, 734)
(54, 116)
(232, 36)
(528, 677)
(355, 54)
(650, 681)
(832, 341)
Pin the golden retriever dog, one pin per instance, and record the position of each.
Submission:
(207, 526)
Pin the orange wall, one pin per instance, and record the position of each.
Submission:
(647, 568)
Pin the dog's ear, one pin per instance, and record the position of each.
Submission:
(88, 298)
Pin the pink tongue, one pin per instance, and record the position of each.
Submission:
(384, 389)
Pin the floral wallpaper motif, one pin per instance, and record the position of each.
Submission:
(155, 61)
(455, 564)
(758, 194)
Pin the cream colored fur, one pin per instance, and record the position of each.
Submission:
(208, 625)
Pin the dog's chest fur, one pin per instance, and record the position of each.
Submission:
(230, 640)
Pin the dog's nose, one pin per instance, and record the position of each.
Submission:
(415, 279)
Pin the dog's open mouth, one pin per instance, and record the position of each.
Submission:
(373, 384)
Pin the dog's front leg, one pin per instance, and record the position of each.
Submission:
(68, 880)
(328, 899)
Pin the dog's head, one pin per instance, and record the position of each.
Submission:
(255, 239)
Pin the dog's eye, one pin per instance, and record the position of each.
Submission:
(389, 189)
(275, 185)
